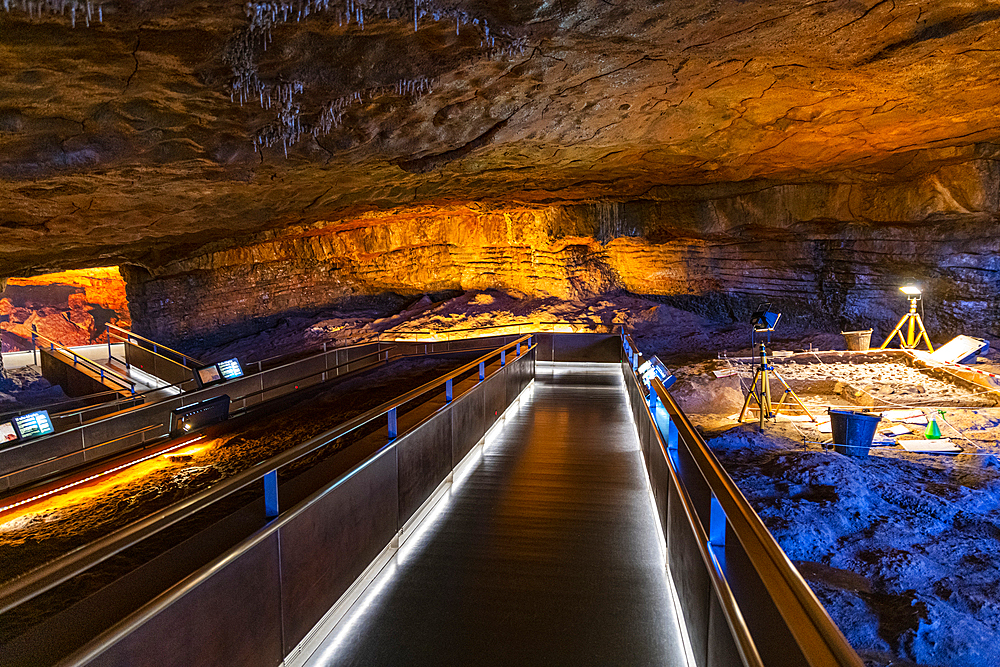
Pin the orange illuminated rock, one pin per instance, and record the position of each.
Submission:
(71, 307)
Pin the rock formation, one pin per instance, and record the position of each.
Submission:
(711, 152)
(70, 307)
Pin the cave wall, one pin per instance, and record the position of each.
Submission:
(70, 307)
(830, 252)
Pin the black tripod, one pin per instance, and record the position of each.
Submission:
(764, 321)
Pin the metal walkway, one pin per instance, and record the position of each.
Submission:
(545, 554)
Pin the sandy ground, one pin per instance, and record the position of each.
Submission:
(903, 549)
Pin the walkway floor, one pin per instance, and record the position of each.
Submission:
(546, 554)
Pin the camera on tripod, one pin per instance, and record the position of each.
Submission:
(763, 321)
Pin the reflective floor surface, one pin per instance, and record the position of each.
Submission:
(546, 554)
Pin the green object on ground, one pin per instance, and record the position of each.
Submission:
(932, 432)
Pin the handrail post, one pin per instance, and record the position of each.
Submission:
(393, 428)
(271, 494)
(482, 371)
(503, 358)
(717, 524)
(519, 349)
(448, 391)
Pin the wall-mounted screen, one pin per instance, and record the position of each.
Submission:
(7, 432)
(230, 369)
(208, 375)
(33, 424)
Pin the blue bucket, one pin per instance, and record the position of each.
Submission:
(853, 432)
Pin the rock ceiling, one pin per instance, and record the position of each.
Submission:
(141, 131)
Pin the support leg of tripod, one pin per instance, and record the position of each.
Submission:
(923, 334)
(760, 396)
(789, 392)
(897, 330)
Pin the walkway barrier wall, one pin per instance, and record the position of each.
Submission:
(158, 365)
(255, 603)
(742, 600)
(133, 427)
(128, 429)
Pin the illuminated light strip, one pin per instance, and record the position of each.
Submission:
(662, 540)
(97, 475)
(329, 636)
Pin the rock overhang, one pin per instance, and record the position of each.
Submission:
(161, 130)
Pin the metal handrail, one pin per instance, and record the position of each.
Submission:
(51, 574)
(817, 635)
(121, 380)
(731, 610)
(377, 353)
(319, 350)
(130, 334)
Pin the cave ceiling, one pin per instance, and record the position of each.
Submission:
(138, 131)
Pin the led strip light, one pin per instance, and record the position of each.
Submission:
(97, 475)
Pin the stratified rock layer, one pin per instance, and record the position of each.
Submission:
(796, 246)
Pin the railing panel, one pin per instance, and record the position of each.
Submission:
(31, 452)
(495, 396)
(424, 459)
(468, 423)
(689, 576)
(582, 347)
(329, 544)
(305, 373)
(107, 430)
(166, 369)
(775, 643)
(694, 483)
(45, 469)
(660, 482)
(238, 620)
(722, 650)
(121, 444)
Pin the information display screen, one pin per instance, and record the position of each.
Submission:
(208, 375)
(33, 424)
(230, 369)
(7, 432)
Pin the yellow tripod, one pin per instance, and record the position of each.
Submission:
(760, 392)
(913, 322)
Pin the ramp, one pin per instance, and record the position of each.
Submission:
(546, 554)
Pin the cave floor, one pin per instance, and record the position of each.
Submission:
(903, 549)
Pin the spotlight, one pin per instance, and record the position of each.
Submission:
(910, 290)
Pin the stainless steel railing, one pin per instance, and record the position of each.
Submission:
(728, 532)
(46, 577)
(42, 342)
(155, 348)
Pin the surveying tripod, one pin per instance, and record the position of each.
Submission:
(760, 393)
(764, 321)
